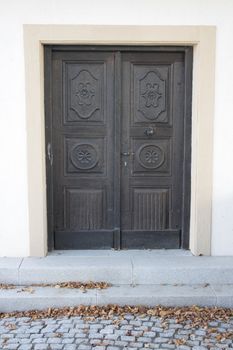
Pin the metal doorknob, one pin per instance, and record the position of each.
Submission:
(149, 131)
(125, 154)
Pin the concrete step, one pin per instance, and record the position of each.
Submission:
(120, 268)
(150, 295)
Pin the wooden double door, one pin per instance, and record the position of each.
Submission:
(118, 144)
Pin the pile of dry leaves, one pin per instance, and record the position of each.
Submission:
(76, 285)
(7, 286)
(196, 316)
(71, 285)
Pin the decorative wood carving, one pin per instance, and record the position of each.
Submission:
(150, 209)
(83, 98)
(151, 90)
(150, 156)
(85, 209)
(84, 156)
(152, 95)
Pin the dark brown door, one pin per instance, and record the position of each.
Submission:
(152, 149)
(118, 147)
(82, 134)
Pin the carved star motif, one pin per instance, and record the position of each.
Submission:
(85, 94)
(84, 156)
(151, 156)
(152, 95)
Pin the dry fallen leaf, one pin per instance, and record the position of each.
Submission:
(218, 337)
(58, 335)
(179, 341)
(5, 341)
(83, 290)
(28, 290)
(11, 326)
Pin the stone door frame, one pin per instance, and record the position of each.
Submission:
(202, 38)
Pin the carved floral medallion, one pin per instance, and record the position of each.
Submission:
(84, 156)
(150, 156)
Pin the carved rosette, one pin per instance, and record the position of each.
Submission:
(84, 96)
(84, 156)
(150, 156)
(151, 95)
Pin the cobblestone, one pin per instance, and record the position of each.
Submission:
(131, 333)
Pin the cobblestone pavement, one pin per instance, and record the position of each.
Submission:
(132, 332)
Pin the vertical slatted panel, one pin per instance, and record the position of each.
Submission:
(151, 209)
(84, 209)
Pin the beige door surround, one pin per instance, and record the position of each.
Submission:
(202, 38)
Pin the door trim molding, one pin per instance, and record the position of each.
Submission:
(202, 38)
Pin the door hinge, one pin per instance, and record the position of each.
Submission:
(50, 153)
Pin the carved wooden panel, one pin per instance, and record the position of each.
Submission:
(84, 209)
(150, 209)
(85, 156)
(150, 86)
(84, 92)
(151, 157)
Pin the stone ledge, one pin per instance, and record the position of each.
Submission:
(146, 268)
(168, 295)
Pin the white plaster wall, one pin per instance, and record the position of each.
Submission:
(13, 168)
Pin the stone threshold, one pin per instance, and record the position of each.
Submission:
(150, 267)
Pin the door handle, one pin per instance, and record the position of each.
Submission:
(50, 153)
(126, 154)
